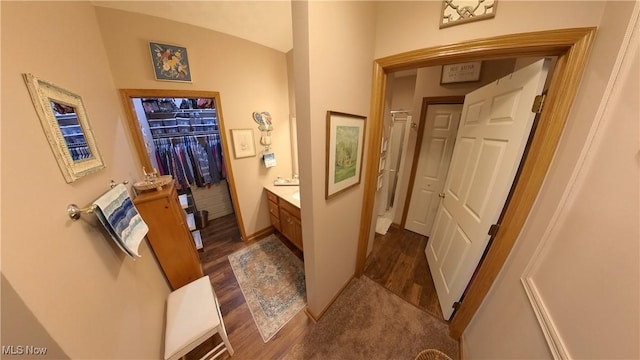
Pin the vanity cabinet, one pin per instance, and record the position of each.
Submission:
(169, 235)
(285, 218)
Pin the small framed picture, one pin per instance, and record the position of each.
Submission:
(244, 144)
(461, 73)
(170, 62)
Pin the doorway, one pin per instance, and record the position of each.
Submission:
(181, 133)
(395, 146)
(571, 46)
(438, 127)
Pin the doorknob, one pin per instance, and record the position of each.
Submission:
(442, 195)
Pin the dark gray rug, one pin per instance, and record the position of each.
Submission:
(369, 322)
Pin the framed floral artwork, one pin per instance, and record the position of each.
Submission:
(170, 62)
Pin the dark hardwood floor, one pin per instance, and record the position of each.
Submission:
(220, 239)
(397, 262)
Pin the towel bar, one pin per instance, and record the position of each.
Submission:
(74, 211)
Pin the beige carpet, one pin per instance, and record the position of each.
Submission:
(369, 322)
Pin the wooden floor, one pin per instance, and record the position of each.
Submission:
(220, 239)
(398, 263)
(395, 263)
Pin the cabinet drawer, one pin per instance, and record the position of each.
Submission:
(273, 209)
(291, 209)
(272, 197)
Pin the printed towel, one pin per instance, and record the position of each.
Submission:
(121, 219)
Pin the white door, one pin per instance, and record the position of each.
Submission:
(441, 126)
(494, 128)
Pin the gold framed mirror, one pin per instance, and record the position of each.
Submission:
(67, 128)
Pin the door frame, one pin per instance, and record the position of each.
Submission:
(571, 46)
(426, 102)
(136, 134)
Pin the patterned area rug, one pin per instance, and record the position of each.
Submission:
(272, 281)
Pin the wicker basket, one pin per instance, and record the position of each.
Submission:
(432, 354)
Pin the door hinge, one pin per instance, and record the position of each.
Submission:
(456, 305)
(442, 195)
(538, 103)
(493, 229)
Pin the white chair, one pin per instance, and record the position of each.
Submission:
(193, 316)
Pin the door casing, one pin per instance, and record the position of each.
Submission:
(571, 46)
(134, 129)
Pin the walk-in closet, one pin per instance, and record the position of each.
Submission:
(182, 139)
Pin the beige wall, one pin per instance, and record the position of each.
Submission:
(333, 72)
(22, 328)
(403, 90)
(249, 77)
(410, 25)
(92, 300)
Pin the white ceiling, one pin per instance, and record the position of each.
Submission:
(264, 22)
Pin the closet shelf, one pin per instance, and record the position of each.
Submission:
(182, 134)
(66, 116)
(182, 111)
(77, 145)
(185, 113)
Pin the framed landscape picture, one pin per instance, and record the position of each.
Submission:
(345, 143)
(170, 62)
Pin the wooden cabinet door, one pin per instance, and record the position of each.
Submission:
(169, 236)
(291, 228)
(297, 232)
(286, 224)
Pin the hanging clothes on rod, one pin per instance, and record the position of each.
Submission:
(191, 160)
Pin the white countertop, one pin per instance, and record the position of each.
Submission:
(285, 193)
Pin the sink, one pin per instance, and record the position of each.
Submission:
(296, 195)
